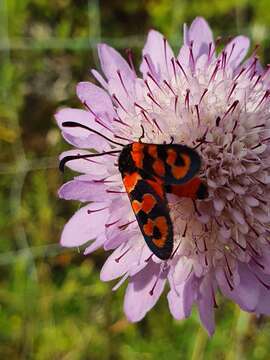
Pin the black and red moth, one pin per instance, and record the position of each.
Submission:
(149, 171)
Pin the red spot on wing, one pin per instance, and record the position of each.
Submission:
(136, 206)
(148, 228)
(137, 154)
(159, 168)
(130, 181)
(158, 187)
(147, 204)
(178, 171)
(171, 157)
(188, 189)
(162, 227)
(152, 150)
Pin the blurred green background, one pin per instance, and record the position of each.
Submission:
(52, 303)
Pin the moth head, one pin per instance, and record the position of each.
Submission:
(125, 161)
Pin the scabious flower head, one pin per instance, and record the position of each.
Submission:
(215, 102)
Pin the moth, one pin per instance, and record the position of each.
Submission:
(149, 172)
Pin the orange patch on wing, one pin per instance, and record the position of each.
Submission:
(157, 186)
(136, 146)
(130, 181)
(159, 167)
(171, 158)
(136, 206)
(162, 225)
(147, 204)
(152, 151)
(137, 154)
(181, 171)
(138, 159)
(148, 228)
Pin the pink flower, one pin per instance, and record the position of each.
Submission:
(215, 102)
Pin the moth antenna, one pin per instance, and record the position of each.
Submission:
(143, 133)
(171, 142)
(75, 124)
(85, 156)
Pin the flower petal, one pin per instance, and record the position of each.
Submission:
(124, 259)
(143, 291)
(83, 191)
(83, 117)
(206, 304)
(263, 305)
(112, 62)
(159, 52)
(175, 301)
(246, 294)
(86, 224)
(236, 51)
(182, 270)
(90, 142)
(201, 36)
(97, 165)
(120, 224)
(190, 293)
(96, 99)
(121, 79)
(97, 243)
(99, 78)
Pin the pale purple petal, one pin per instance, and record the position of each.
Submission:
(201, 36)
(263, 306)
(145, 255)
(258, 67)
(206, 304)
(263, 279)
(143, 291)
(190, 294)
(183, 269)
(236, 51)
(120, 223)
(96, 244)
(84, 191)
(121, 78)
(98, 175)
(86, 224)
(112, 62)
(97, 165)
(96, 99)
(82, 117)
(90, 142)
(175, 301)
(116, 238)
(122, 260)
(79, 116)
(160, 53)
(183, 56)
(99, 78)
(263, 261)
(246, 294)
